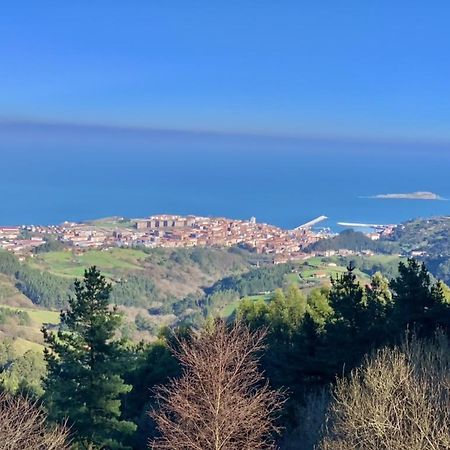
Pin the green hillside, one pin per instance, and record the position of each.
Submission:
(429, 240)
(172, 273)
(224, 296)
(159, 287)
(70, 264)
(351, 240)
(145, 281)
(23, 326)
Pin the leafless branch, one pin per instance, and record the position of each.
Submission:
(221, 401)
(398, 400)
(23, 426)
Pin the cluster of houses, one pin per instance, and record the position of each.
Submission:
(13, 240)
(168, 231)
(178, 231)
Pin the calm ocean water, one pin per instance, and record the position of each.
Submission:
(49, 177)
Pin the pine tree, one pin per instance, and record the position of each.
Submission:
(378, 293)
(440, 312)
(412, 288)
(417, 302)
(347, 300)
(378, 310)
(84, 366)
(345, 331)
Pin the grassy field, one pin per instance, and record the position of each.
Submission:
(69, 264)
(41, 316)
(9, 294)
(28, 337)
(383, 259)
(111, 222)
(21, 346)
(7, 289)
(229, 309)
(175, 273)
(320, 272)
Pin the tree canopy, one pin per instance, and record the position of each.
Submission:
(84, 361)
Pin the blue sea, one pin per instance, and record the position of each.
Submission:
(51, 174)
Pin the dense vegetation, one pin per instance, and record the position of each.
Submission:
(385, 264)
(310, 340)
(428, 235)
(214, 299)
(41, 288)
(22, 373)
(256, 281)
(84, 367)
(134, 290)
(428, 239)
(142, 293)
(398, 399)
(317, 329)
(142, 277)
(8, 315)
(351, 240)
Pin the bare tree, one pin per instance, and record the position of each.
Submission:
(398, 400)
(221, 401)
(23, 426)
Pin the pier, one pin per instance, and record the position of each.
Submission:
(311, 223)
(360, 225)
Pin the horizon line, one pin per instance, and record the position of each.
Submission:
(88, 126)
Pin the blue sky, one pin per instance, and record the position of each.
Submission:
(350, 68)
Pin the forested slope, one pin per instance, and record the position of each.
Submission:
(140, 278)
(429, 240)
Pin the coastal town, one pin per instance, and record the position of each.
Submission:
(168, 231)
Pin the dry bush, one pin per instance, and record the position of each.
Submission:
(221, 401)
(23, 426)
(398, 400)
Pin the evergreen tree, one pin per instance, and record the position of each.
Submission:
(347, 300)
(152, 365)
(312, 366)
(318, 306)
(378, 295)
(378, 309)
(439, 294)
(345, 338)
(412, 288)
(84, 366)
(417, 302)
